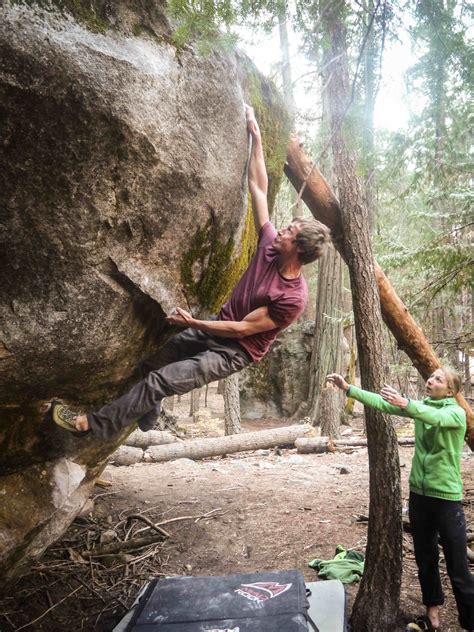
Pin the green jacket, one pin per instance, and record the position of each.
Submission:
(440, 427)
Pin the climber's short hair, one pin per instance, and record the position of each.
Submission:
(312, 239)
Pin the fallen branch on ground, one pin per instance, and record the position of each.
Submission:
(117, 547)
(27, 625)
(147, 521)
(209, 514)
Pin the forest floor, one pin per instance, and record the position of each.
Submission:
(248, 512)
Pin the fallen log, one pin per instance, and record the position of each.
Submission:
(139, 439)
(318, 445)
(127, 455)
(323, 204)
(133, 450)
(201, 448)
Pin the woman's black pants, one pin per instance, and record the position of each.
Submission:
(430, 518)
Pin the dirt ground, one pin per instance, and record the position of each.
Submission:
(265, 510)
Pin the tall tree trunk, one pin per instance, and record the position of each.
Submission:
(330, 411)
(377, 602)
(325, 207)
(350, 363)
(285, 61)
(195, 402)
(232, 404)
(351, 375)
(327, 351)
(288, 93)
(368, 145)
(325, 405)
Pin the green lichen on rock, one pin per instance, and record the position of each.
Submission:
(275, 127)
(221, 264)
(219, 267)
(89, 13)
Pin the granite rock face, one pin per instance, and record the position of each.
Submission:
(122, 188)
(277, 386)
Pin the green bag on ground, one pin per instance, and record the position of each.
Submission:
(347, 566)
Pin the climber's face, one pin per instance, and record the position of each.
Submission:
(285, 240)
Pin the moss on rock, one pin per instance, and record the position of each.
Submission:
(219, 266)
(89, 13)
(215, 261)
(275, 127)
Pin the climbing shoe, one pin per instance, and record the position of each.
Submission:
(65, 418)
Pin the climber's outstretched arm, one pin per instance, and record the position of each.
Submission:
(257, 173)
(254, 323)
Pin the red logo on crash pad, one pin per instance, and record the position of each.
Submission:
(262, 591)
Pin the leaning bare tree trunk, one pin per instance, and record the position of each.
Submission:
(377, 603)
(232, 404)
(325, 207)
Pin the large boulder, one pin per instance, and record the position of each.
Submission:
(279, 384)
(122, 193)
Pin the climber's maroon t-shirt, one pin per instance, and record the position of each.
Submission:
(263, 285)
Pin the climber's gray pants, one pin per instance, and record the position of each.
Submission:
(188, 361)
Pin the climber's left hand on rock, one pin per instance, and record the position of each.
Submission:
(180, 317)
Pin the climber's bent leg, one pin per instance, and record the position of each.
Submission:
(181, 346)
(217, 362)
(149, 419)
(186, 344)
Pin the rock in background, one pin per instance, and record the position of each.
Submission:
(278, 385)
(122, 194)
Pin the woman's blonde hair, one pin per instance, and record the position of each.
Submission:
(453, 378)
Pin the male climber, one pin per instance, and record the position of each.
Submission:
(271, 294)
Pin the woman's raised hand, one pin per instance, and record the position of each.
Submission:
(393, 397)
(338, 380)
